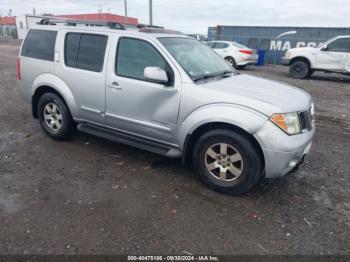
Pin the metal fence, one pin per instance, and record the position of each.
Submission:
(275, 40)
(8, 32)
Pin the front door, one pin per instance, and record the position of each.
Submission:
(335, 55)
(134, 104)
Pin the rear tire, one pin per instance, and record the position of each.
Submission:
(54, 117)
(242, 67)
(299, 69)
(234, 170)
(231, 61)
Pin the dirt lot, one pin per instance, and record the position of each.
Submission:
(92, 196)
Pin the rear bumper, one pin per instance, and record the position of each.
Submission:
(282, 153)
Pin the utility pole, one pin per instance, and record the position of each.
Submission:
(150, 12)
(125, 12)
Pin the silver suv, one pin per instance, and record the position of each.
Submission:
(166, 93)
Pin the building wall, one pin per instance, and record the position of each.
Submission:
(25, 22)
(267, 37)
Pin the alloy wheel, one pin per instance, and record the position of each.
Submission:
(53, 116)
(224, 162)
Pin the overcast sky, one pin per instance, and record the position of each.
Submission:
(194, 16)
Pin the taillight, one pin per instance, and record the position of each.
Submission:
(248, 52)
(18, 68)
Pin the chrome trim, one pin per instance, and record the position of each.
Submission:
(91, 110)
(139, 122)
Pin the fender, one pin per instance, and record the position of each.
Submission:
(60, 86)
(242, 117)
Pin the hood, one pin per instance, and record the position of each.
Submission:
(303, 49)
(262, 95)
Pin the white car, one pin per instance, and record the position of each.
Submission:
(333, 56)
(239, 56)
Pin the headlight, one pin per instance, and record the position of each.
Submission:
(288, 54)
(289, 122)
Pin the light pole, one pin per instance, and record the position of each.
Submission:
(150, 12)
(125, 12)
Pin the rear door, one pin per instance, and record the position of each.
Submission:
(134, 104)
(335, 56)
(81, 64)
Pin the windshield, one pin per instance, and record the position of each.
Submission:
(196, 58)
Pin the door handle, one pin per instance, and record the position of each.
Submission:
(115, 85)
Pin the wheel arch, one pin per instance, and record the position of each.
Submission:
(301, 58)
(191, 139)
(50, 83)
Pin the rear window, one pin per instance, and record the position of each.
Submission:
(85, 51)
(40, 44)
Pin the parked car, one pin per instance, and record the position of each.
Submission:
(237, 55)
(166, 93)
(333, 56)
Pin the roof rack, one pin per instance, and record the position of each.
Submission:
(69, 22)
(159, 30)
(149, 26)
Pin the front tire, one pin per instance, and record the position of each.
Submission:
(227, 161)
(299, 70)
(54, 117)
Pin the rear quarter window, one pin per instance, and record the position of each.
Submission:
(40, 44)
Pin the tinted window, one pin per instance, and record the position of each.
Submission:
(71, 49)
(211, 44)
(340, 45)
(40, 44)
(134, 56)
(85, 51)
(220, 45)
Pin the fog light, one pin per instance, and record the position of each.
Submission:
(293, 163)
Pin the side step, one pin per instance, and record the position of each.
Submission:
(128, 139)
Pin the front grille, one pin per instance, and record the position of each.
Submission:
(306, 120)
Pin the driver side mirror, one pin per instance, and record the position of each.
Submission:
(156, 74)
(324, 48)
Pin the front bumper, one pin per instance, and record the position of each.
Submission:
(282, 152)
(285, 61)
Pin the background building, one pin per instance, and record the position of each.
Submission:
(8, 27)
(25, 22)
(275, 40)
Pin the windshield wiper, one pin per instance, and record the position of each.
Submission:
(226, 73)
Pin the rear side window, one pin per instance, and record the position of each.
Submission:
(40, 44)
(85, 51)
(219, 45)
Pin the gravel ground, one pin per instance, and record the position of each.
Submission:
(92, 196)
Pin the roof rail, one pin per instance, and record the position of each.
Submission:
(70, 22)
(150, 26)
(159, 30)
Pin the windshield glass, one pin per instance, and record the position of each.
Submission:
(196, 58)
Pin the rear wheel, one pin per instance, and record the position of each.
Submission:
(227, 161)
(242, 66)
(299, 70)
(54, 117)
(231, 61)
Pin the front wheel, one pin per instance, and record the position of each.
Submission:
(227, 161)
(299, 70)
